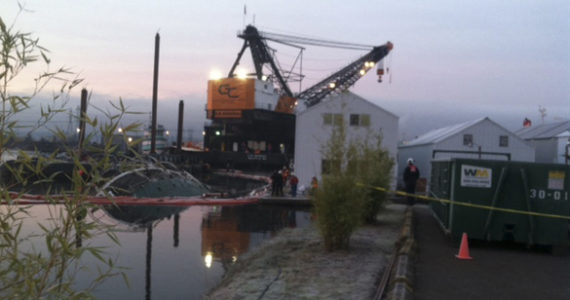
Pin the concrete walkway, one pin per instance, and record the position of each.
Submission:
(497, 271)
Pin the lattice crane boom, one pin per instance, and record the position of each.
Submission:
(345, 77)
(339, 81)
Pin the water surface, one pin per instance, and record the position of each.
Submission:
(177, 252)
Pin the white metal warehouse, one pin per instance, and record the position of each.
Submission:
(550, 141)
(314, 127)
(481, 138)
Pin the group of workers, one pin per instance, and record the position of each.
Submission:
(281, 178)
(284, 178)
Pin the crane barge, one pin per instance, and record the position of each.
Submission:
(253, 115)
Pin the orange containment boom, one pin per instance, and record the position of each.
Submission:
(27, 199)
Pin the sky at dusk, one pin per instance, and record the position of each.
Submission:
(452, 61)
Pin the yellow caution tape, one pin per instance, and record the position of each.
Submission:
(508, 210)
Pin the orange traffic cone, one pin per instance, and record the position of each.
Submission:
(464, 248)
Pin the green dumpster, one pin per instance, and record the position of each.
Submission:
(521, 186)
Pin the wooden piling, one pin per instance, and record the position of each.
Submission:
(82, 117)
(180, 127)
(154, 94)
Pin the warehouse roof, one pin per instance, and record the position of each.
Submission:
(441, 134)
(351, 96)
(543, 131)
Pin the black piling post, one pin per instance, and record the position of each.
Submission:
(154, 94)
(82, 117)
(180, 123)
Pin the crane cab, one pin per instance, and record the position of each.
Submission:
(229, 97)
(248, 123)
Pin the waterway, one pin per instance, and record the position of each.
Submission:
(175, 252)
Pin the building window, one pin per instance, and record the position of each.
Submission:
(468, 140)
(327, 119)
(337, 119)
(332, 119)
(354, 120)
(360, 120)
(365, 120)
(503, 141)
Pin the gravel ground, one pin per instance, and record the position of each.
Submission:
(294, 264)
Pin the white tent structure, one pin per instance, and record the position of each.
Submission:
(481, 138)
(550, 141)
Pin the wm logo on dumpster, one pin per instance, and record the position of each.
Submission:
(476, 172)
(474, 176)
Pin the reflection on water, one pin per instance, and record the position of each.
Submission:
(171, 252)
(141, 216)
(230, 231)
(186, 250)
(146, 217)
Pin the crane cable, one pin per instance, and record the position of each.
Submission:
(285, 38)
(389, 68)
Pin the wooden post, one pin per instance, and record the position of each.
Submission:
(82, 117)
(154, 94)
(180, 123)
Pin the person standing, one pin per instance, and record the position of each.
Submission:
(293, 181)
(285, 173)
(314, 185)
(275, 179)
(411, 175)
(279, 183)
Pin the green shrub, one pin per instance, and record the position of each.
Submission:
(338, 201)
(338, 206)
(374, 171)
